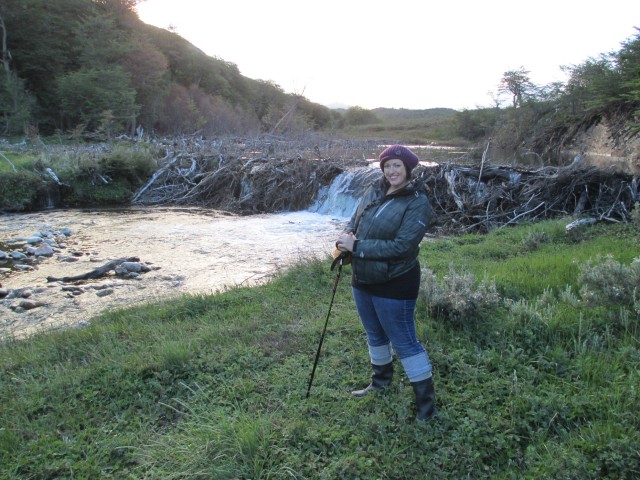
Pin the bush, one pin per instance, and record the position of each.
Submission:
(133, 166)
(460, 297)
(606, 281)
(105, 178)
(19, 190)
(635, 213)
(84, 193)
(89, 177)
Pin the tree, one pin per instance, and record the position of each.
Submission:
(474, 125)
(266, 95)
(148, 68)
(360, 116)
(518, 84)
(87, 94)
(118, 6)
(593, 86)
(15, 102)
(41, 40)
(100, 45)
(628, 59)
(319, 115)
(6, 56)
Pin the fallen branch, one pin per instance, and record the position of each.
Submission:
(154, 177)
(12, 165)
(95, 273)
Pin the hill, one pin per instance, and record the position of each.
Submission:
(94, 66)
(77, 66)
(397, 114)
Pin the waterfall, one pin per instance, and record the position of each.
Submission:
(48, 196)
(340, 199)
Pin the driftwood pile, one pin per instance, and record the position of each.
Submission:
(481, 199)
(239, 185)
(246, 177)
(469, 196)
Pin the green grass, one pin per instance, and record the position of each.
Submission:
(24, 181)
(409, 129)
(14, 161)
(214, 386)
(527, 260)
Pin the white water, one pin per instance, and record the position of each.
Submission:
(340, 198)
(196, 250)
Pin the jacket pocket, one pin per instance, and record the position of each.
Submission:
(370, 272)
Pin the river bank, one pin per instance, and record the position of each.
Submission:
(189, 250)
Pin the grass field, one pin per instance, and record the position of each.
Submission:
(533, 334)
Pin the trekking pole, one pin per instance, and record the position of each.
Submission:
(326, 322)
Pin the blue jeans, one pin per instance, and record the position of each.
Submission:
(390, 324)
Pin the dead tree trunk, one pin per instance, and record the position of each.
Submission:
(6, 56)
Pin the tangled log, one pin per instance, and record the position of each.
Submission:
(476, 199)
(245, 177)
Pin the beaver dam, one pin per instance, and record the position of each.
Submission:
(216, 215)
(267, 176)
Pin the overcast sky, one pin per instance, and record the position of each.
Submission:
(398, 54)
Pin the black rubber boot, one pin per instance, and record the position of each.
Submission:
(425, 399)
(380, 379)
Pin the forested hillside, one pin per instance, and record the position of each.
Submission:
(93, 65)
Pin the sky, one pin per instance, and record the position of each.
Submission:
(414, 54)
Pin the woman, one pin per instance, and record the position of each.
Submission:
(383, 237)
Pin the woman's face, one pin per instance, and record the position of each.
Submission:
(396, 173)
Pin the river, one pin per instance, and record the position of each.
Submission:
(191, 250)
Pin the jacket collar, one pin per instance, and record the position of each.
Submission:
(409, 189)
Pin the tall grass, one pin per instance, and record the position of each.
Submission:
(87, 175)
(539, 384)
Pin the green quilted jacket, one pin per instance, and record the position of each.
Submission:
(389, 229)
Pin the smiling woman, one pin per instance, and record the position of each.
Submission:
(397, 163)
(383, 238)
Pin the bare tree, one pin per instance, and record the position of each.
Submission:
(6, 55)
(518, 84)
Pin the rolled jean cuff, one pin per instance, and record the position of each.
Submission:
(381, 355)
(417, 367)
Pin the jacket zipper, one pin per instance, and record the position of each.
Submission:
(382, 208)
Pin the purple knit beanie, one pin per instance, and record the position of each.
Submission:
(399, 152)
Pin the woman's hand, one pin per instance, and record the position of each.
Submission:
(345, 242)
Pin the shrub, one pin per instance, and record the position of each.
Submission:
(635, 213)
(133, 166)
(19, 190)
(605, 281)
(459, 297)
(534, 239)
(85, 192)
